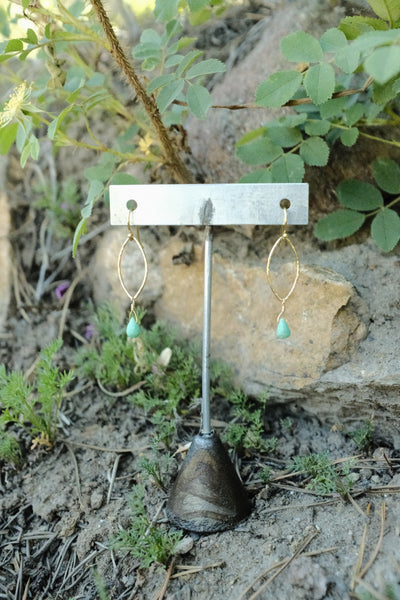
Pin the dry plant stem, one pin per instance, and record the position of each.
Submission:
(174, 162)
(373, 556)
(168, 575)
(112, 477)
(78, 481)
(122, 394)
(67, 300)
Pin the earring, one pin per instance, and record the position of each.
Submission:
(132, 329)
(283, 330)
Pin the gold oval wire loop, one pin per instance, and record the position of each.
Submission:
(132, 238)
(282, 239)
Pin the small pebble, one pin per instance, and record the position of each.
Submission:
(354, 477)
(375, 479)
(96, 499)
(184, 545)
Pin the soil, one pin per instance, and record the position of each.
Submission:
(61, 510)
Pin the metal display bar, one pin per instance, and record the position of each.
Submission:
(210, 204)
(208, 495)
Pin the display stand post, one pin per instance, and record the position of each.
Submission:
(208, 495)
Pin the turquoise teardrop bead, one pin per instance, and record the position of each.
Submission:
(132, 329)
(282, 331)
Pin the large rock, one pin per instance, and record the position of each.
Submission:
(323, 314)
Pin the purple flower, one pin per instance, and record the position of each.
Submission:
(61, 289)
(90, 331)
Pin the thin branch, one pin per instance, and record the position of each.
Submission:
(174, 162)
(294, 102)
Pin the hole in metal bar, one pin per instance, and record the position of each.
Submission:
(131, 204)
(285, 203)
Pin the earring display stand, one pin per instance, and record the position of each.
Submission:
(207, 494)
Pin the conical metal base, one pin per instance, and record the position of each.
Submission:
(207, 495)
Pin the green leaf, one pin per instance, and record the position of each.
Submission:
(352, 27)
(288, 169)
(315, 151)
(385, 229)
(31, 36)
(187, 60)
(185, 41)
(165, 10)
(14, 46)
(80, 230)
(55, 124)
(123, 179)
(348, 59)
(301, 47)
(96, 189)
(258, 176)
(8, 134)
(354, 114)
(349, 136)
(195, 5)
(250, 136)
(359, 195)
(278, 88)
(25, 4)
(99, 172)
(387, 174)
(287, 137)
(383, 63)
(389, 10)
(338, 225)
(199, 100)
(169, 93)
(206, 67)
(319, 82)
(159, 82)
(146, 51)
(259, 152)
(333, 40)
(332, 107)
(318, 127)
(382, 94)
(75, 79)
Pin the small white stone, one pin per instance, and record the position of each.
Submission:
(184, 545)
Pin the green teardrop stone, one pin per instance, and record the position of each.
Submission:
(282, 331)
(132, 329)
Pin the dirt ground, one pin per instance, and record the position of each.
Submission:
(60, 511)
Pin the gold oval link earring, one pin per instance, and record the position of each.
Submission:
(133, 328)
(283, 330)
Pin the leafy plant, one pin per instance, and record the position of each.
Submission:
(145, 541)
(363, 435)
(33, 406)
(167, 368)
(245, 431)
(326, 478)
(331, 106)
(10, 450)
(157, 467)
(361, 200)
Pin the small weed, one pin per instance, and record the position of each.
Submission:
(246, 430)
(33, 406)
(157, 468)
(266, 475)
(287, 425)
(145, 541)
(10, 450)
(390, 592)
(325, 476)
(363, 436)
